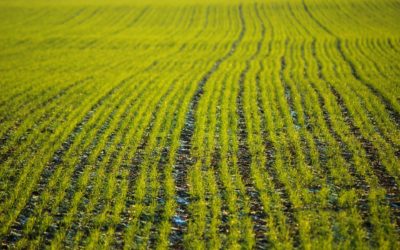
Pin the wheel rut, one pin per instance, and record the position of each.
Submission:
(183, 158)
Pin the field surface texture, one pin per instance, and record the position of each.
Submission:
(200, 124)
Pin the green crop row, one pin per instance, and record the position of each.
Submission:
(200, 124)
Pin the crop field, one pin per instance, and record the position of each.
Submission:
(189, 124)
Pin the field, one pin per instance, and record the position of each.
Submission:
(235, 124)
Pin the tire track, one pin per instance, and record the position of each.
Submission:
(8, 131)
(244, 155)
(345, 151)
(388, 104)
(138, 157)
(134, 21)
(55, 161)
(183, 158)
(385, 180)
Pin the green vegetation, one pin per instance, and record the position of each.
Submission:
(200, 124)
